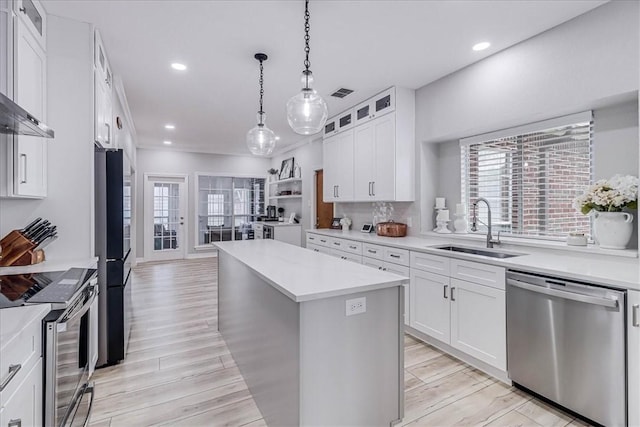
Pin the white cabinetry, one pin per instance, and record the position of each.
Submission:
(21, 371)
(338, 167)
(469, 314)
(381, 162)
(103, 95)
(26, 157)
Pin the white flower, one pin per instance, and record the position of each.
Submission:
(610, 195)
(345, 221)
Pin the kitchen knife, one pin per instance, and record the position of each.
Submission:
(32, 224)
(48, 233)
(37, 230)
(40, 235)
(47, 241)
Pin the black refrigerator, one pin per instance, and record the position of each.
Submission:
(113, 247)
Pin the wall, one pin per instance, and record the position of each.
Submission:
(69, 203)
(308, 156)
(177, 162)
(590, 62)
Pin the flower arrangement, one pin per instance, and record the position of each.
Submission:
(609, 195)
(345, 222)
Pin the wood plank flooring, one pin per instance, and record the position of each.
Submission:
(178, 370)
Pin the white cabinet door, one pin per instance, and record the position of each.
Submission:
(31, 13)
(338, 167)
(29, 152)
(478, 322)
(429, 304)
(24, 407)
(364, 165)
(384, 180)
(102, 111)
(374, 153)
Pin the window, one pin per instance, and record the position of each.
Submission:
(227, 206)
(530, 176)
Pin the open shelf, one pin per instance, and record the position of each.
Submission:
(289, 196)
(284, 181)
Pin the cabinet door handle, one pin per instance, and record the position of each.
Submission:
(369, 188)
(23, 10)
(108, 133)
(15, 423)
(13, 371)
(23, 158)
(394, 256)
(337, 191)
(634, 315)
(373, 188)
(452, 297)
(444, 291)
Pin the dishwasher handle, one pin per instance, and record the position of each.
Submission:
(606, 302)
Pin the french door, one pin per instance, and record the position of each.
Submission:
(165, 219)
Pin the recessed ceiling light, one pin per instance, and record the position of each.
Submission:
(167, 143)
(178, 66)
(277, 138)
(170, 127)
(481, 46)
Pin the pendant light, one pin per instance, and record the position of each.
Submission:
(307, 112)
(261, 140)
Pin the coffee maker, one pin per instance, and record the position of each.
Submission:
(272, 213)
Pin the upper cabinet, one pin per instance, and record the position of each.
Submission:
(103, 95)
(26, 156)
(33, 15)
(377, 106)
(382, 141)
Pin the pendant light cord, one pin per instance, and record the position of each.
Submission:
(307, 64)
(261, 91)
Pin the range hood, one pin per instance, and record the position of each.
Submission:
(15, 120)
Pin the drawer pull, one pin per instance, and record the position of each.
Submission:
(15, 423)
(13, 371)
(323, 241)
(394, 256)
(353, 247)
(337, 243)
(371, 251)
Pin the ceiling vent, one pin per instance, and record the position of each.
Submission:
(341, 93)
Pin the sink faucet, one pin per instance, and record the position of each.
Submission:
(475, 220)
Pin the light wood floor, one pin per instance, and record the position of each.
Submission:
(178, 370)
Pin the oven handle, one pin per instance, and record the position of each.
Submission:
(62, 326)
(88, 388)
(606, 302)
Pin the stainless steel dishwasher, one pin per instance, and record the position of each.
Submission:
(566, 341)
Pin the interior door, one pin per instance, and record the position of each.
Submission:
(165, 218)
(324, 211)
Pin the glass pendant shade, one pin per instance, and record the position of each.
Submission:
(307, 112)
(261, 140)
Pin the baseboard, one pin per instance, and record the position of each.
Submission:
(139, 260)
(212, 254)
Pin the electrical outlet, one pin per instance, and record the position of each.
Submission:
(356, 306)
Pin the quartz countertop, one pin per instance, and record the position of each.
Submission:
(620, 272)
(304, 275)
(51, 265)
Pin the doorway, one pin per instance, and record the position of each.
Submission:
(165, 206)
(324, 211)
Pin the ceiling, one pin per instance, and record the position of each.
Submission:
(366, 46)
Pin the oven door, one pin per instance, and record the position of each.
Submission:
(67, 359)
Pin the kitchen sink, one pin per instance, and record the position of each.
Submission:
(477, 251)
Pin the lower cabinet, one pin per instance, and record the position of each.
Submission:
(24, 406)
(465, 315)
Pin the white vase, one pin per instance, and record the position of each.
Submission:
(345, 228)
(613, 229)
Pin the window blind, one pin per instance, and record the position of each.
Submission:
(530, 176)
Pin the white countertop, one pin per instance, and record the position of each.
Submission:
(51, 265)
(304, 275)
(622, 272)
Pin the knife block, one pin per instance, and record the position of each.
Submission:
(18, 250)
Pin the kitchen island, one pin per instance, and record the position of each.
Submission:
(318, 340)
